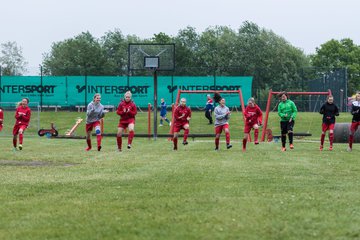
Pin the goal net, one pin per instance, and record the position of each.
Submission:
(308, 105)
(199, 124)
(9, 109)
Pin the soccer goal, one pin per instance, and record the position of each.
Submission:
(305, 102)
(199, 126)
(9, 109)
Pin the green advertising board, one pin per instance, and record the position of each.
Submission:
(69, 91)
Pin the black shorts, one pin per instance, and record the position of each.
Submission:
(287, 126)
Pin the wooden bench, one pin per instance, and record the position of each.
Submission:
(55, 107)
(80, 108)
(111, 108)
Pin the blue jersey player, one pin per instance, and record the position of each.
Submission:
(209, 108)
(163, 113)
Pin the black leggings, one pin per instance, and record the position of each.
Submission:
(287, 128)
(208, 116)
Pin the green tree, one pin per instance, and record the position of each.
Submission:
(161, 38)
(272, 61)
(253, 51)
(115, 48)
(216, 47)
(12, 61)
(340, 54)
(187, 52)
(76, 56)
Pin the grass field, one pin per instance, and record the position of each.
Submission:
(53, 189)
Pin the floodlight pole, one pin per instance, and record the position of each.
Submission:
(155, 104)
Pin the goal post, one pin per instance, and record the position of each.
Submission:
(271, 94)
(178, 96)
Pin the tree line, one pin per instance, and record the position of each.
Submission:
(248, 51)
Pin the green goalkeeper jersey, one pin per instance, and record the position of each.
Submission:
(287, 110)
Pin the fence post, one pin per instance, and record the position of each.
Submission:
(85, 100)
(41, 83)
(341, 100)
(149, 121)
(266, 116)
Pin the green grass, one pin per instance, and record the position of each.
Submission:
(152, 192)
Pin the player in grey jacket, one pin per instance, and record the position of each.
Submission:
(94, 113)
(222, 116)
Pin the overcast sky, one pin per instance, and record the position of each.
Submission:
(306, 24)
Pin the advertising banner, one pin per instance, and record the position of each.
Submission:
(69, 91)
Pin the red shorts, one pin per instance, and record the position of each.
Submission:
(125, 124)
(17, 127)
(177, 128)
(219, 129)
(328, 126)
(248, 127)
(354, 126)
(90, 126)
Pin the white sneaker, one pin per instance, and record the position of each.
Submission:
(160, 125)
(349, 149)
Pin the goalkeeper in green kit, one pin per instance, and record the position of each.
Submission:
(287, 111)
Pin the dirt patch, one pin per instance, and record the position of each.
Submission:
(16, 163)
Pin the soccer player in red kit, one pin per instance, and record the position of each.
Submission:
(329, 111)
(22, 116)
(182, 116)
(355, 122)
(253, 119)
(127, 111)
(1, 118)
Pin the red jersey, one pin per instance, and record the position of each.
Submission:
(253, 115)
(22, 116)
(181, 114)
(126, 110)
(1, 116)
(1, 119)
